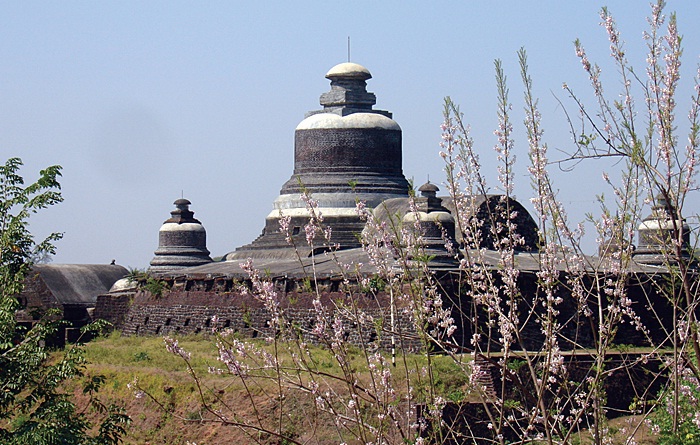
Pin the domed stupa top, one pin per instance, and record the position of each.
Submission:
(182, 213)
(348, 70)
(428, 190)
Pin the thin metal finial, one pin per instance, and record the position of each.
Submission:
(348, 49)
(182, 194)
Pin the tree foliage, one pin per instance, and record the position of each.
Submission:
(34, 406)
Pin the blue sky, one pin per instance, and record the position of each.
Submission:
(143, 101)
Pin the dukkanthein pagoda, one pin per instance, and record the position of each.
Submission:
(343, 153)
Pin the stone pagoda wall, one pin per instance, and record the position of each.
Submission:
(200, 306)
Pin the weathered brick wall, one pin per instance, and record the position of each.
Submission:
(113, 307)
(257, 323)
(194, 311)
(190, 305)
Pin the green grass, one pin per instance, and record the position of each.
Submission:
(149, 352)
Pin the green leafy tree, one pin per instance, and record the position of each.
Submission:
(35, 407)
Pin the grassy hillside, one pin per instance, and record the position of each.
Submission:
(175, 414)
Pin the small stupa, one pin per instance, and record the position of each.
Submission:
(182, 241)
(435, 227)
(659, 233)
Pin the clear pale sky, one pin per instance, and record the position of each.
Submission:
(141, 102)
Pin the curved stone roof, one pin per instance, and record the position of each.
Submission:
(280, 264)
(78, 284)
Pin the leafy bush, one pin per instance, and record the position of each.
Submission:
(34, 407)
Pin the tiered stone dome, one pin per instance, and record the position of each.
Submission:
(182, 241)
(345, 152)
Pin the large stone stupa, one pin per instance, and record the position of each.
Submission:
(343, 153)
